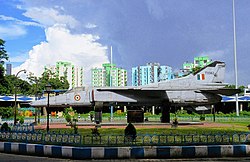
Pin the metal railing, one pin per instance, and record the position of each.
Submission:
(39, 137)
(68, 138)
(166, 139)
(21, 127)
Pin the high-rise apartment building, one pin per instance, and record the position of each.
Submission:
(98, 77)
(8, 69)
(73, 74)
(200, 61)
(151, 73)
(108, 75)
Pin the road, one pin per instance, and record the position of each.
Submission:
(24, 158)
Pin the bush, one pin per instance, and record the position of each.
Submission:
(5, 127)
(175, 121)
(202, 118)
(6, 112)
(130, 131)
(21, 120)
(71, 117)
(68, 118)
(245, 113)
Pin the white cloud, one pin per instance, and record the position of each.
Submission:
(17, 21)
(19, 58)
(50, 16)
(2, 17)
(11, 31)
(90, 26)
(61, 45)
(155, 9)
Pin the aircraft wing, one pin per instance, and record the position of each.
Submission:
(223, 91)
(117, 89)
(114, 89)
(136, 91)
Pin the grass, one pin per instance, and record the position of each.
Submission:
(229, 128)
(236, 124)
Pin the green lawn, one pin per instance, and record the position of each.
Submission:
(230, 128)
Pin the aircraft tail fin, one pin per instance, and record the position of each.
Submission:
(212, 73)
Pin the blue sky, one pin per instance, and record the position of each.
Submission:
(40, 32)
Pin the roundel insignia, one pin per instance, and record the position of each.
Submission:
(77, 97)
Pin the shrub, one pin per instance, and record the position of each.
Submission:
(5, 127)
(68, 118)
(6, 112)
(175, 121)
(71, 117)
(202, 118)
(245, 113)
(21, 120)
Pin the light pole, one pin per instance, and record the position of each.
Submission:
(36, 95)
(235, 60)
(15, 109)
(110, 82)
(48, 90)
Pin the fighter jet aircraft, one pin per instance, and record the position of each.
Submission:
(199, 89)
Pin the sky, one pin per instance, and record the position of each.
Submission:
(170, 32)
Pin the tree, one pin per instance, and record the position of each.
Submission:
(6, 112)
(3, 56)
(71, 117)
(240, 87)
(12, 82)
(196, 69)
(3, 53)
(35, 87)
(38, 83)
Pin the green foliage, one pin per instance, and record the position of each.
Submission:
(175, 121)
(196, 69)
(120, 114)
(3, 56)
(38, 83)
(245, 113)
(57, 83)
(5, 127)
(71, 117)
(9, 83)
(35, 85)
(3, 52)
(1, 73)
(21, 119)
(22, 86)
(202, 117)
(67, 118)
(6, 112)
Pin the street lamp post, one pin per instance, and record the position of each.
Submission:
(15, 109)
(36, 98)
(48, 90)
(235, 60)
(110, 82)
